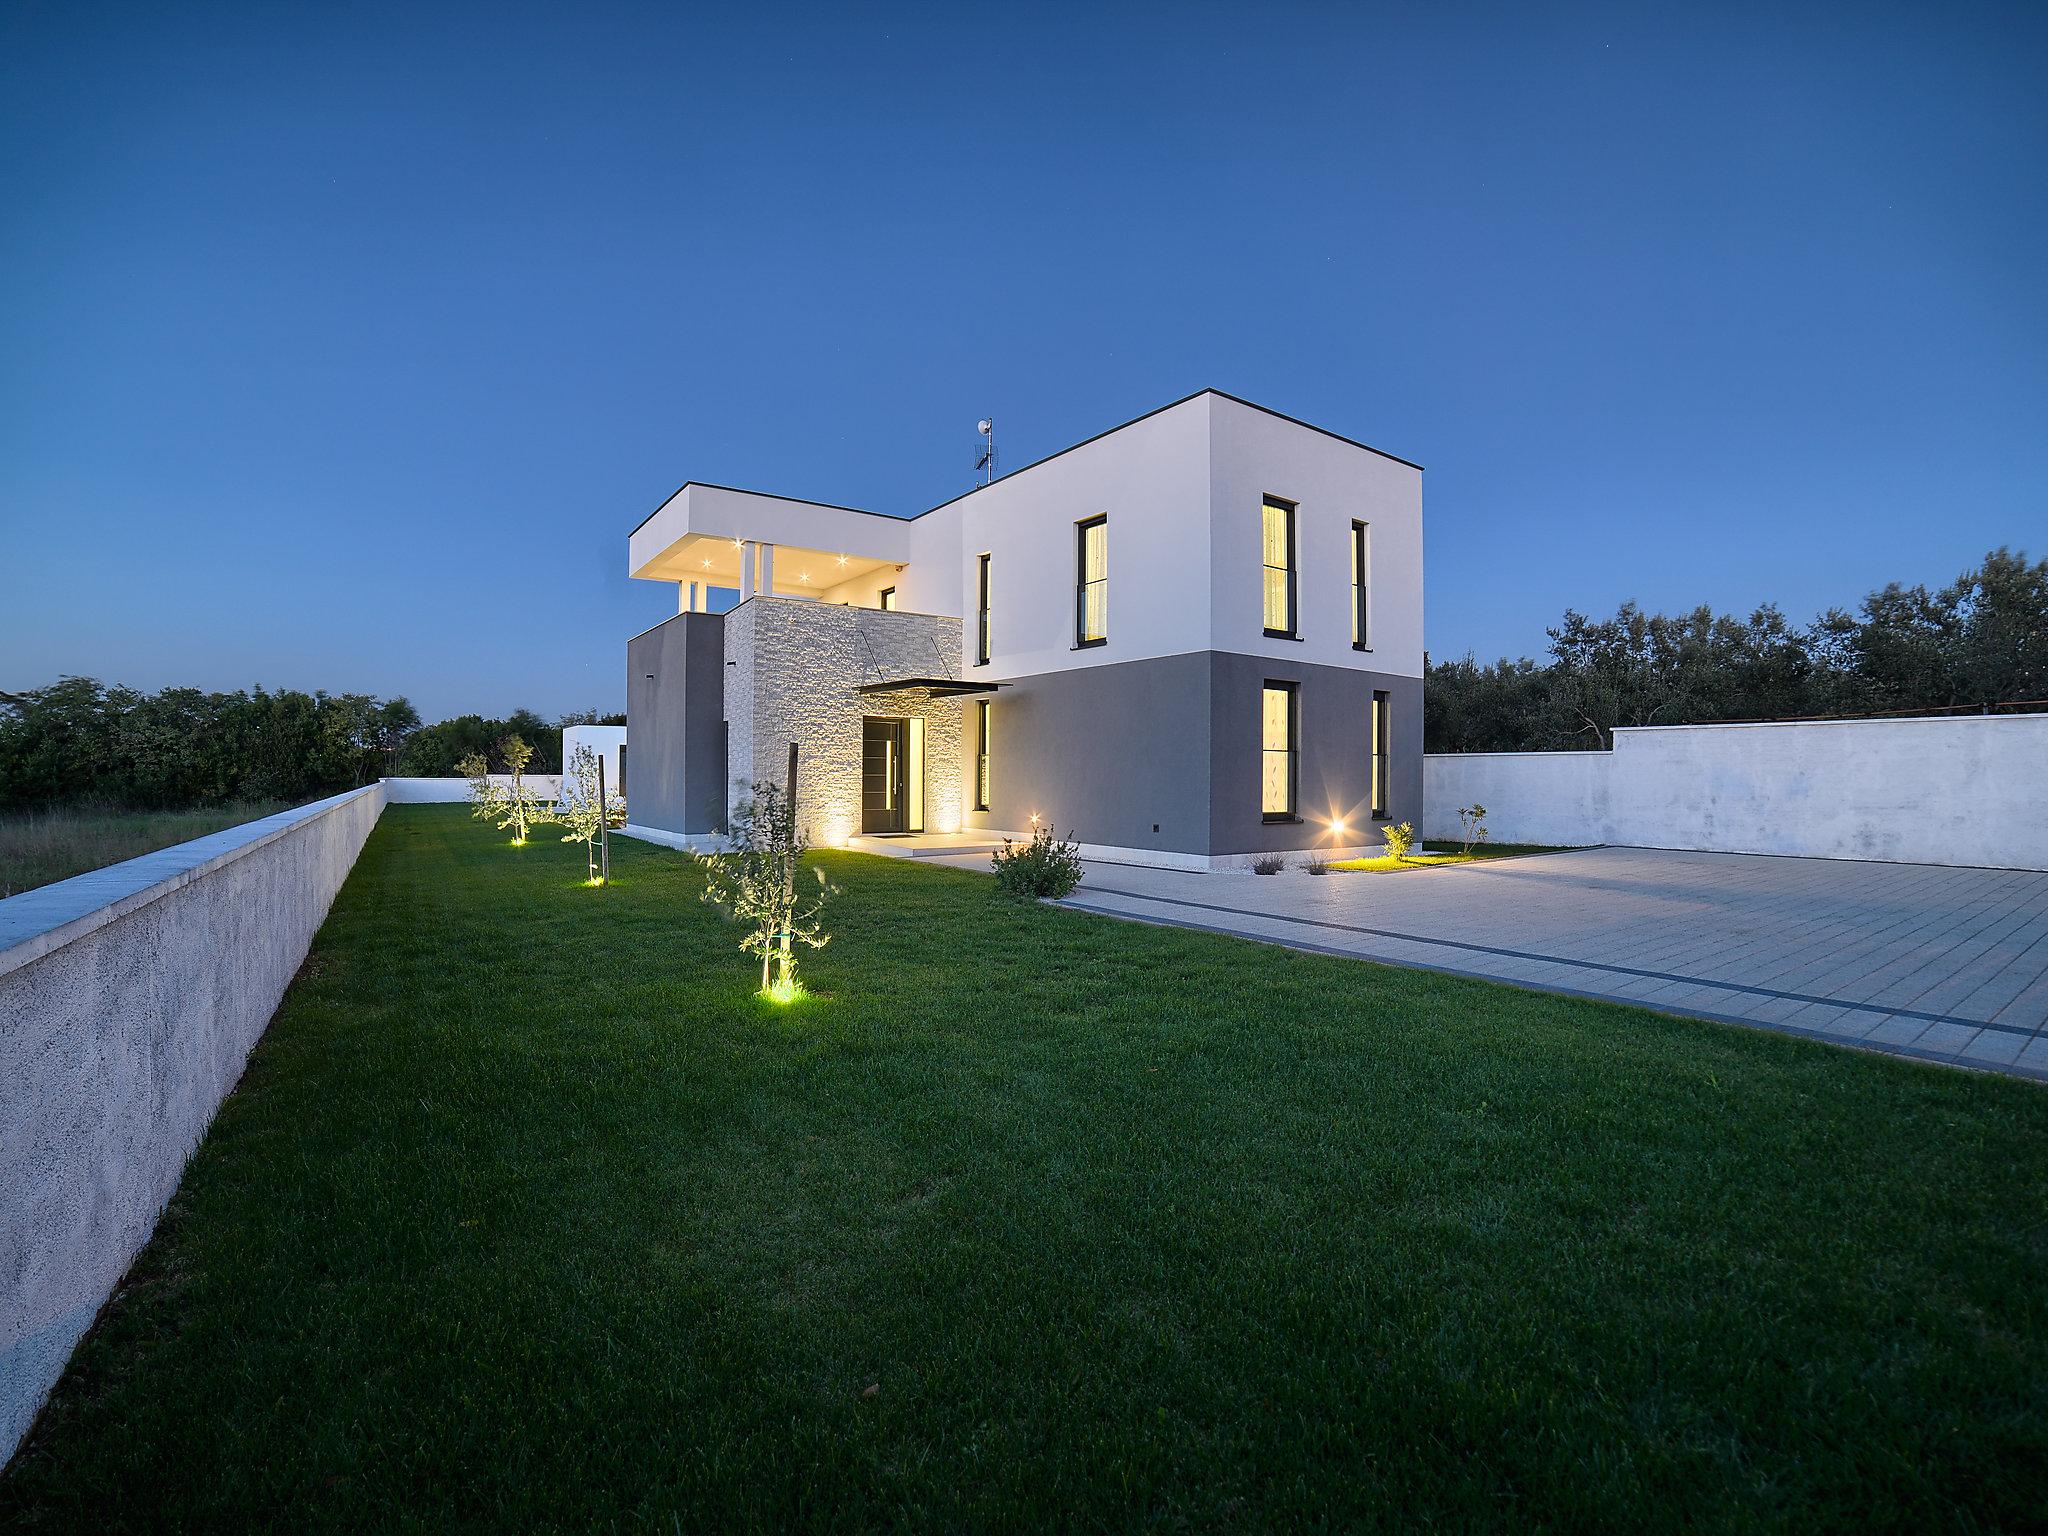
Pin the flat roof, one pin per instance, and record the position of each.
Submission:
(1220, 394)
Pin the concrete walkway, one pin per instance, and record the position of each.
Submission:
(1943, 964)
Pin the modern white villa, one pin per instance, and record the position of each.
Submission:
(1191, 640)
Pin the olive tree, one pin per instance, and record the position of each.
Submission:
(755, 883)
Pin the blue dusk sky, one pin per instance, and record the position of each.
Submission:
(342, 345)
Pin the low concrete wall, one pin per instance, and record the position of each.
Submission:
(547, 786)
(129, 1000)
(1969, 789)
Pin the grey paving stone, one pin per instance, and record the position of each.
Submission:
(1826, 946)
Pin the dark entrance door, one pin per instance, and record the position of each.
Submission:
(884, 756)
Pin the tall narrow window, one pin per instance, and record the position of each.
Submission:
(1361, 586)
(1091, 581)
(1379, 754)
(622, 770)
(981, 612)
(914, 776)
(1277, 752)
(887, 601)
(981, 713)
(1278, 518)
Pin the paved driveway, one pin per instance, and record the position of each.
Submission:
(1944, 964)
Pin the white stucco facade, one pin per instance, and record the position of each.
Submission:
(607, 742)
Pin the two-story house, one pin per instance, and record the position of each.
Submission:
(1191, 640)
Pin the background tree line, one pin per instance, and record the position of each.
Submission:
(78, 740)
(1980, 641)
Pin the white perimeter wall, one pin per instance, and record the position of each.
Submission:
(129, 1000)
(1963, 790)
(546, 786)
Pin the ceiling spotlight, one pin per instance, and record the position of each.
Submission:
(842, 562)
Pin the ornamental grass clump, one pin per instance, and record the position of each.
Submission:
(755, 883)
(1047, 866)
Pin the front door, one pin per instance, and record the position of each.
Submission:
(884, 767)
(892, 774)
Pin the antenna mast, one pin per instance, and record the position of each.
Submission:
(985, 450)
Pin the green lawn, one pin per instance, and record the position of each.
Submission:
(529, 1215)
(43, 847)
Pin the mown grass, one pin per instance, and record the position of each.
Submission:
(43, 847)
(529, 1215)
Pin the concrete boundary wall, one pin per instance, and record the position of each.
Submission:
(129, 1000)
(1966, 789)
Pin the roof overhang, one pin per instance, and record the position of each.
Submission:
(696, 535)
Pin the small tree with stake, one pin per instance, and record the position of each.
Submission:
(755, 883)
(586, 810)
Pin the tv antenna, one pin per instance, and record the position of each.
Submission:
(985, 450)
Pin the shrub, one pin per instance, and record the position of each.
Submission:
(1471, 826)
(1318, 865)
(1045, 866)
(1400, 839)
(1268, 864)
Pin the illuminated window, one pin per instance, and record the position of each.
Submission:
(981, 713)
(1278, 521)
(981, 613)
(1379, 754)
(1277, 750)
(887, 601)
(1091, 581)
(1361, 586)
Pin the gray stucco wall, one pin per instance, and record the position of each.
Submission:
(675, 732)
(1103, 754)
(1333, 775)
(1107, 753)
(129, 1000)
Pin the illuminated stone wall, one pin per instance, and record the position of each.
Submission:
(794, 673)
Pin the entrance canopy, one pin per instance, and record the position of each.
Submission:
(937, 687)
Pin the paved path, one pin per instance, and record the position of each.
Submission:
(1943, 964)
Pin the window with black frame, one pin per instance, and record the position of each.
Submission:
(1279, 738)
(981, 651)
(1379, 754)
(981, 723)
(1277, 530)
(1091, 581)
(1361, 586)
